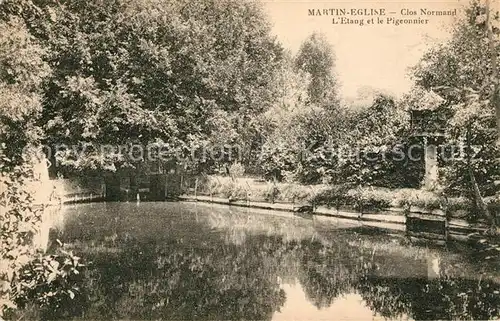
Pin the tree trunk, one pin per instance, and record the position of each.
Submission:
(495, 100)
(494, 69)
(478, 198)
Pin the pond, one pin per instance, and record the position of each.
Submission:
(194, 261)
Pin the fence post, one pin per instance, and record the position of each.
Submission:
(248, 194)
(447, 215)
(195, 188)
(165, 196)
(273, 191)
(181, 184)
(313, 199)
(103, 190)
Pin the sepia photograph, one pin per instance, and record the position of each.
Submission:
(275, 160)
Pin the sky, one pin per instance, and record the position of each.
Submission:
(368, 56)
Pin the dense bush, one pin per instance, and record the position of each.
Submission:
(333, 196)
(369, 199)
(236, 170)
(51, 284)
(18, 223)
(376, 198)
(223, 187)
(360, 198)
(367, 146)
(257, 191)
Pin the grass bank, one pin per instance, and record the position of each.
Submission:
(360, 199)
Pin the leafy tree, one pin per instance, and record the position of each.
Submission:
(298, 124)
(372, 151)
(152, 72)
(316, 57)
(21, 74)
(460, 71)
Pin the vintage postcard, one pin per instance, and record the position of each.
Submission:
(249, 160)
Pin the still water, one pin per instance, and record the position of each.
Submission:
(188, 261)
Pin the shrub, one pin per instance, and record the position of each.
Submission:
(333, 196)
(418, 198)
(224, 186)
(361, 198)
(368, 199)
(462, 207)
(295, 193)
(236, 170)
(51, 283)
(457, 206)
(18, 223)
(210, 186)
(272, 193)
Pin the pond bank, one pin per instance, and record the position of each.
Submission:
(391, 220)
(372, 207)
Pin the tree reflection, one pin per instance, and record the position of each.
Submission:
(328, 272)
(187, 269)
(421, 299)
(175, 281)
(331, 271)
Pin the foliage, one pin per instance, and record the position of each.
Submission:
(51, 283)
(304, 118)
(368, 199)
(21, 74)
(19, 223)
(317, 59)
(271, 193)
(333, 196)
(25, 276)
(460, 72)
(236, 170)
(360, 198)
(373, 150)
(366, 146)
(244, 188)
(290, 151)
(419, 98)
(336, 196)
(423, 200)
(377, 198)
(146, 72)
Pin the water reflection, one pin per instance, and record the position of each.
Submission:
(160, 261)
(297, 307)
(176, 281)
